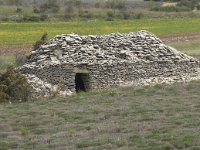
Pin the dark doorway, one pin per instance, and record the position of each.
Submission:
(81, 81)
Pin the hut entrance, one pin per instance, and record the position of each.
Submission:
(81, 81)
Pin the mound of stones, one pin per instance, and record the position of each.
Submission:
(111, 60)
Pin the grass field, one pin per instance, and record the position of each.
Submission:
(28, 33)
(191, 48)
(161, 117)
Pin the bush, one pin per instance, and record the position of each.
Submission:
(68, 16)
(85, 15)
(3, 64)
(20, 59)
(69, 12)
(5, 19)
(171, 8)
(125, 15)
(36, 10)
(14, 87)
(31, 19)
(110, 16)
(198, 7)
(116, 4)
(49, 7)
(5, 61)
(19, 10)
(42, 17)
(41, 41)
(191, 4)
(97, 5)
(138, 16)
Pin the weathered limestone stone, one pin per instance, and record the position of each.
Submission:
(105, 61)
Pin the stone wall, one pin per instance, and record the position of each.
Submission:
(102, 76)
(105, 62)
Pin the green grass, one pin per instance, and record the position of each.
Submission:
(28, 33)
(160, 117)
(191, 48)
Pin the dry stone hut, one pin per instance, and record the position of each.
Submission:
(70, 63)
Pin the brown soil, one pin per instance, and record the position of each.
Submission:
(12, 49)
(184, 37)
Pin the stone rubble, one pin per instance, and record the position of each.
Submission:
(107, 61)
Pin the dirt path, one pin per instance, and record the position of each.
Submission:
(12, 49)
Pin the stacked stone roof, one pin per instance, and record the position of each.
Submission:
(139, 49)
(111, 48)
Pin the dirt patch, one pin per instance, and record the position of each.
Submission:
(184, 37)
(12, 49)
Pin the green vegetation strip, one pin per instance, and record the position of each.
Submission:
(160, 117)
(28, 33)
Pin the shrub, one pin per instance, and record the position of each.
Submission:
(14, 87)
(85, 15)
(138, 16)
(50, 7)
(5, 61)
(171, 8)
(97, 5)
(5, 19)
(125, 15)
(36, 10)
(69, 12)
(43, 17)
(3, 64)
(34, 18)
(31, 18)
(116, 4)
(191, 4)
(20, 59)
(68, 16)
(41, 41)
(198, 7)
(110, 16)
(19, 10)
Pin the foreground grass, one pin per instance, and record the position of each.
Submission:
(28, 33)
(161, 117)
